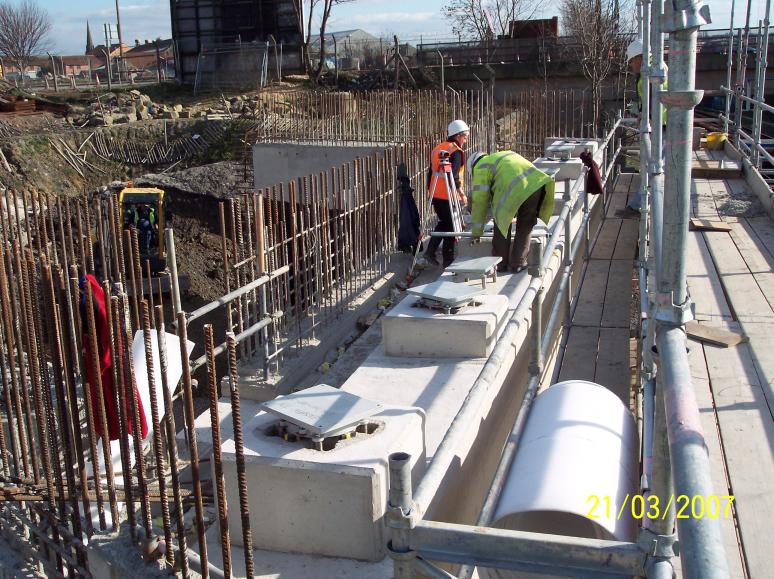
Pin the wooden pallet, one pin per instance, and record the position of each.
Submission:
(17, 105)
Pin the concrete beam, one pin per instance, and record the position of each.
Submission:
(409, 330)
(321, 502)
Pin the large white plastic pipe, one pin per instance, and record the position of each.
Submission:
(579, 451)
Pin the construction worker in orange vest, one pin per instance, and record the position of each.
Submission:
(458, 132)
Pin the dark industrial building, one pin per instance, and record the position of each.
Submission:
(214, 24)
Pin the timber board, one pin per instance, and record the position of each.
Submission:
(588, 312)
(618, 296)
(717, 458)
(606, 240)
(747, 432)
(626, 244)
(580, 356)
(612, 368)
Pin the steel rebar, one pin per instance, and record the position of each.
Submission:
(236, 417)
(188, 408)
(220, 482)
(171, 445)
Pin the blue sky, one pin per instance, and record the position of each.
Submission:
(410, 20)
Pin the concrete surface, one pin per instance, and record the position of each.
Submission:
(578, 145)
(12, 563)
(321, 502)
(275, 565)
(570, 169)
(115, 556)
(282, 162)
(410, 330)
(299, 365)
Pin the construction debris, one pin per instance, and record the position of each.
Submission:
(714, 336)
(118, 108)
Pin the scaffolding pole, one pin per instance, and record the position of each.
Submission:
(702, 554)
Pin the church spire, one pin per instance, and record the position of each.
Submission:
(89, 41)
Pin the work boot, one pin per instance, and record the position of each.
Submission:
(430, 258)
(628, 213)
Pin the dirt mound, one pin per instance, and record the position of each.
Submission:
(217, 180)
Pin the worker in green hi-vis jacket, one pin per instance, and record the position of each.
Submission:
(508, 186)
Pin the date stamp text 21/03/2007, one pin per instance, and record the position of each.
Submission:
(652, 507)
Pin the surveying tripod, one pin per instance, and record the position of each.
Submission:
(455, 207)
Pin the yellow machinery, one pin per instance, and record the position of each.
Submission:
(143, 208)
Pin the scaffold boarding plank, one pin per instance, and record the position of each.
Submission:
(628, 236)
(580, 356)
(612, 369)
(618, 295)
(606, 240)
(704, 285)
(757, 258)
(717, 458)
(747, 432)
(588, 312)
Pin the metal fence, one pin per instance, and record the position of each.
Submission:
(73, 74)
(743, 94)
(335, 231)
(526, 118)
(234, 66)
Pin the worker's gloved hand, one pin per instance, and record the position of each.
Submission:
(475, 239)
(634, 108)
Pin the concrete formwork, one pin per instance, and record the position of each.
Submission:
(281, 162)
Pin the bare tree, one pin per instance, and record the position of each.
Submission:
(602, 29)
(486, 19)
(24, 32)
(305, 15)
(304, 11)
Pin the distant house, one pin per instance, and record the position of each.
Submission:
(143, 55)
(10, 72)
(537, 28)
(348, 47)
(74, 65)
(354, 36)
(98, 52)
(77, 65)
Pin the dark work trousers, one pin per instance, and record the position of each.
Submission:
(515, 254)
(445, 223)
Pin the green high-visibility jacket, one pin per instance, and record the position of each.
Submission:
(502, 182)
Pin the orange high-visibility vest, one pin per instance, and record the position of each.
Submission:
(440, 191)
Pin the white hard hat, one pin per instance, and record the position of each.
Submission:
(473, 159)
(456, 127)
(634, 49)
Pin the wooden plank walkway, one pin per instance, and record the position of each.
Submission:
(598, 343)
(731, 282)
